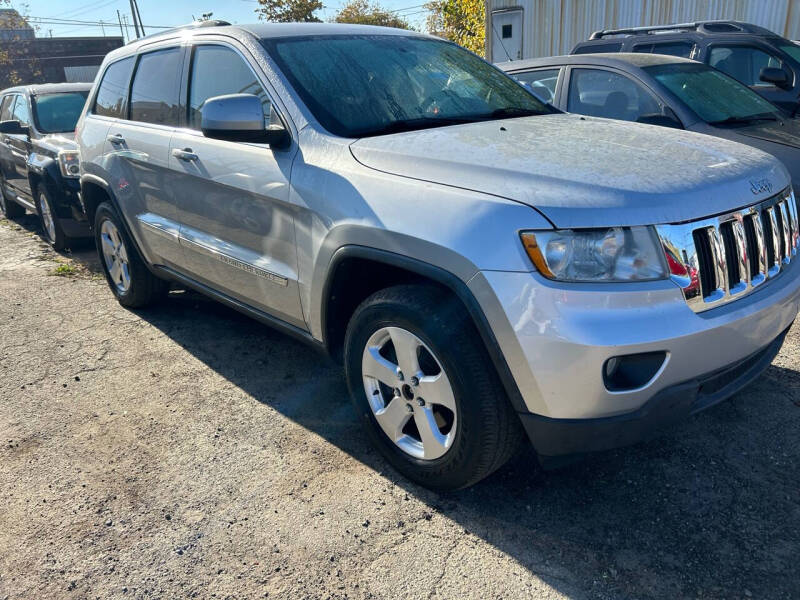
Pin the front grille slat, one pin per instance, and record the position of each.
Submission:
(724, 258)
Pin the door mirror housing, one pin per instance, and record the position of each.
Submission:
(13, 128)
(666, 120)
(776, 76)
(240, 118)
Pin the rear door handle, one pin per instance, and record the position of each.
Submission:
(116, 139)
(186, 154)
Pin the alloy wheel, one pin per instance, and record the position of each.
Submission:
(115, 256)
(47, 218)
(409, 393)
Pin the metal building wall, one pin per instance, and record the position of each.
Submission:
(552, 27)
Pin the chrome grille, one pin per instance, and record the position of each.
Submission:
(724, 258)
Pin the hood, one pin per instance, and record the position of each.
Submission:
(785, 132)
(582, 171)
(57, 141)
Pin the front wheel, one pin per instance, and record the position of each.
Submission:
(51, 227)
(425, 388)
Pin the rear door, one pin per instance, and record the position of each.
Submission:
(237, 224)
(19, 147)
(7, 166)
(137, 152)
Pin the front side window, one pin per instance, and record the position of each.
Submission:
(112, 94)
(155, 93)
(743, 63)
(606, 94)
(218, 71)
(712, 95)
(21, 112)
(683, 49)
(5, 107)
(58, 113)
(362, 85)
(542, 82)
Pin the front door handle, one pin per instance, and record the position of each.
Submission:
(116, 138)
(186, 154)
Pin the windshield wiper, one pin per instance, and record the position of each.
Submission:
(415, 125)
(737, 120)
(515, 111)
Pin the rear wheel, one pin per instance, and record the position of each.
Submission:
(10, 209)
(425, 389)
(51, 227)
(126, 273)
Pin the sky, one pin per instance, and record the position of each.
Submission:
(166, 13)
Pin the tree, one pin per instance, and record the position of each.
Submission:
(364, 13)
(289, 11)
(17, 66)
(460, 21)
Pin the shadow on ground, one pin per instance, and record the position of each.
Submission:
(708, 509)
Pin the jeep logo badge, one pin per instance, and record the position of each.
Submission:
(759, 186)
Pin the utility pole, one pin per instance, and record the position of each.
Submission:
(102, 28)
(139, 16)
(127, 26)
(135, 22)
(122, 31)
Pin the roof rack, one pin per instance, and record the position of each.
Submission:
(700, 26)
(192, 25)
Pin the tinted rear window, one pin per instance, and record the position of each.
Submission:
(155, 94)
(113, 92)
(682, 49)
(595, 48)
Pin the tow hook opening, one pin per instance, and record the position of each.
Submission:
(632, 371)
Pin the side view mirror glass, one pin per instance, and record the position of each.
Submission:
(660, 120)
(240, 118)
(776, 76)
(13, 128)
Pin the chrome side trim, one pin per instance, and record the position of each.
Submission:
(234, 262)
(162, 227)
(709, 277)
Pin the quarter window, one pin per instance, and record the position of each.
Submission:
(21, 112)
(610, 95)
(5, 107)
(155, 93)
(743, 62)
(113, 92)
(683, 49)
(542, 82)
(218, 71)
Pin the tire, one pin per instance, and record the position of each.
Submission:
(52, 232)
(9, 208)
(131, 281)
(483, 431)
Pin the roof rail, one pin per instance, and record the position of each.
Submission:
(701, 26)
(192, 25)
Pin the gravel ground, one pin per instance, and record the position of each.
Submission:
(186, 451)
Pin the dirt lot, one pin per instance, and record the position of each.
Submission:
(187, 451)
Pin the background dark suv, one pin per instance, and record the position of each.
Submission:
(759, 58)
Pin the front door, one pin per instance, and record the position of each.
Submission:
(19, 146)
(237, 224)
(506, 35)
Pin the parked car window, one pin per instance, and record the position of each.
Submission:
(58, 113)
(112, 95)
(21, 112)
(595, 48)
(743, 63)
(793, 50)
(216, 71)
(361, 85)
(5, 107)
(155, 93)
(683, 49)
(602, 93)
(711, 94)
(542, 82)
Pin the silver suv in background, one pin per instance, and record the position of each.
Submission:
(484, 266)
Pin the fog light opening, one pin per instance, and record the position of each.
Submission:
(632, 371)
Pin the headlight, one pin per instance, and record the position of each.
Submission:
(613, 254)
(69, 161)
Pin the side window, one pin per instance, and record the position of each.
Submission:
(5, 107)
(21, 111)
(542, 82)
(217, 71)
(742, 62)
(610, 95)
(683, 49)
(155, 94)
(595, 48)
(112, 95)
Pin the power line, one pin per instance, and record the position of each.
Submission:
(50, 21)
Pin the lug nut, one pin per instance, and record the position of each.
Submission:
(409, 408)
(415, 381)
(420, 402)
(396, 391)
(400, 375)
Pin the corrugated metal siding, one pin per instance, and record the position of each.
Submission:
(552, 27)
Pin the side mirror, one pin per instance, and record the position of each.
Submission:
(13, 128)
(661, 120)
(240, 118)
(776, 76)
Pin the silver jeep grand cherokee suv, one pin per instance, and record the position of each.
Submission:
(485, 266)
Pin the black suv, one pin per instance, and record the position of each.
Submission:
(39, 165)
(759, 58)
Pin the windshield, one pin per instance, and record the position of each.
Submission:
(58, 113)
(711, 94)
(362, 85)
